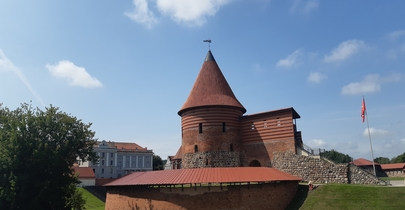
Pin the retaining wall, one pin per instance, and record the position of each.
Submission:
(319, 170)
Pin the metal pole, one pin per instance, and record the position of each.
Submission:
(371, 145)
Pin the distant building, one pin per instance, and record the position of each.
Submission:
(367, 165)
(394, 169)
(85, 175)
(117, 159)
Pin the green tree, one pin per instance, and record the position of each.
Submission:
(157, 163)
(399, 159)
(37, 150)
(336, 156)
(382, 160)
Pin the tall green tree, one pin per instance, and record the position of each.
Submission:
(382, 160)
(157, 163)
(399, 159)
(336, 156)
(37, 149)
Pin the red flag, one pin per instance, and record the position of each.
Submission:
(363, 109)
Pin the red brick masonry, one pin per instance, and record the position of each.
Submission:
(252, 196)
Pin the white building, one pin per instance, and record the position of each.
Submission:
(117, 159)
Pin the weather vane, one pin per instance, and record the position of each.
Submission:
(209, 43)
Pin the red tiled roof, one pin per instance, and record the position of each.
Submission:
(211, 88)
(129, 146)
(363, 162)
(178, 155)
(205, 175)
(84, 172)
(393, 166)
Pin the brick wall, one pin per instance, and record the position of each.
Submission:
(253, 196)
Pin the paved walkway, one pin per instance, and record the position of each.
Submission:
(397, 183)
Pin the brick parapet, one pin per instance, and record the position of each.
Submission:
(246, 196)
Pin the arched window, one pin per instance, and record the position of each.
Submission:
(195, 148)
(254, 163)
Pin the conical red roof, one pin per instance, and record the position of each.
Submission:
(211, 88)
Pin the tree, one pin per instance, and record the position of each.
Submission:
(382, 160)
(157, 163)
(399, 159)
(37, 150)
(336, 156)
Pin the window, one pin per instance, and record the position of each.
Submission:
(111, 154)
(102, 170)
(102, 162)
(223, 127)
(200, 128)
(102, 155)
(111, 163)
(111, 171)
(231, 147)
(206, 162)
(195, 148)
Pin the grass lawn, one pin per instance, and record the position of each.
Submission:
(345, 196)
(92, 202)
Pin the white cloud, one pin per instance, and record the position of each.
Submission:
(190, 12)
(304, 6)
(316, 77)
(317, 143)
(377, 132)
(7, 65)
(142, 14)
(345, 50)
(291, 60)
(77, 76)
(370, 84)
(396, 34)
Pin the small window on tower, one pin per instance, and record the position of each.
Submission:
(200, 128)
(223, 127)
(195, 148)
(231, 147)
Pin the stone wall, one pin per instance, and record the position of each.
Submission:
(211, 159)
(232, 197)
(320, 170)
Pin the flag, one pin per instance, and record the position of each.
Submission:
(363, 109)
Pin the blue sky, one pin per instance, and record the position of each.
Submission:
(128, 66)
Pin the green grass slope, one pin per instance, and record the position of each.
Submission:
(92, 202)
(347, 196)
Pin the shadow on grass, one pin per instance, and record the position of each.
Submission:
(299, 198)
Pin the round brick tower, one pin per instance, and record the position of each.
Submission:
(210, 121)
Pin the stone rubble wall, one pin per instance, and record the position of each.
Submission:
(319, 170)
(211, 159)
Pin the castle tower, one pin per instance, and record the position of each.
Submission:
(210, 121)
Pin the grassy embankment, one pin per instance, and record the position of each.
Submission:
(92, 202)
(345, 196)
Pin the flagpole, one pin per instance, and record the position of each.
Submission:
(369, 137)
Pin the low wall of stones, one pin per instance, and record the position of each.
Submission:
(211, 159)
(395, 173)
(253, 196)
(319, 170)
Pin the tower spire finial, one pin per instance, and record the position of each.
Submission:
(209, 43)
